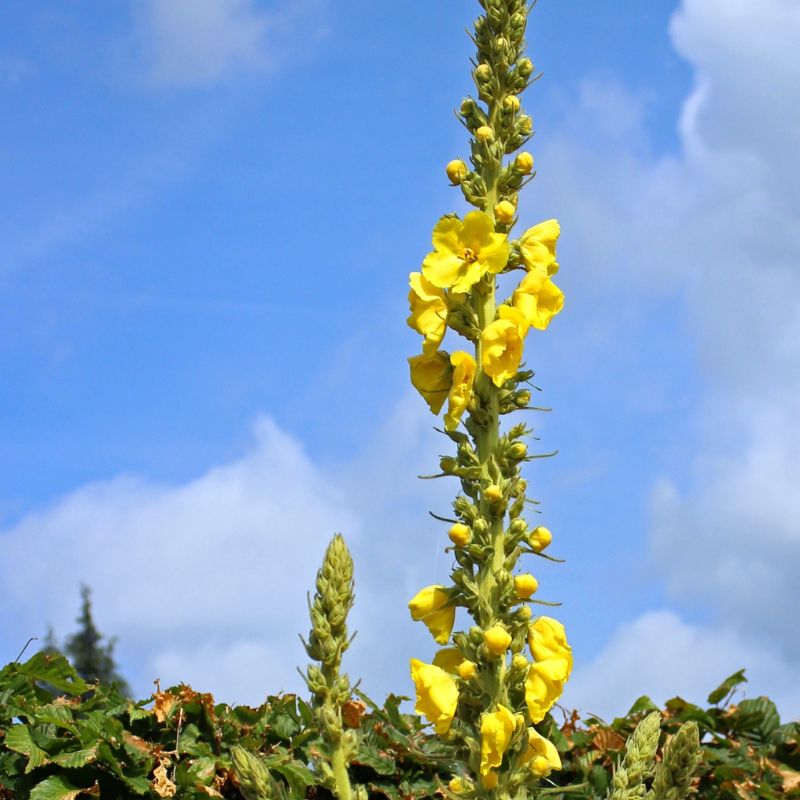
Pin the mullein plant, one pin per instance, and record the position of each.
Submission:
(492, 684)
(330, 688)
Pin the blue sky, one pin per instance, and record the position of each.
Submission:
(209, 214)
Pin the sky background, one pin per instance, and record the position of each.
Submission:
(209, 209)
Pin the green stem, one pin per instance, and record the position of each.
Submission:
(340, 774)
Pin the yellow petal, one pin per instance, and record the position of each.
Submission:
(464, 369)
(431, 598)
(449, 659)
(538, 245)
(544, 685)
(437, 694)
(447, 236)
(497, 728)
(547, 638)
(440, 623)
(428, 311)
(431, 376)
(541, 754)
(501, 350)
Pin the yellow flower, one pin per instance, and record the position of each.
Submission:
(538, 299)
(501, 350)
(497, 640)
(541, 754)
(437, 694)
(431, 376)
(525, 585)
(430, 605)
(460, 534)
(428, 311)
(464, 252)
(464, 368)
(456, 170)
(448, 659)
(544, 685)
(548, 639)
(537, 246)
(497, 728)
(540, 538)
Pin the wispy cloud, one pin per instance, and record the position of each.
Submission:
(190, 43)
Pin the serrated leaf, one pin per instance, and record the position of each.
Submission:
(57, 787)
(19, 738)
(382, 763)
(54, 669)
(726, 687)
(73, 759)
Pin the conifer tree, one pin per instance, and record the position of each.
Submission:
(92, 658)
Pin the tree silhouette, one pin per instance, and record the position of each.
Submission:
(93, 660)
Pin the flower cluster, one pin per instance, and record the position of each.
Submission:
(492, 683)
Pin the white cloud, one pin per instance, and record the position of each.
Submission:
(714, 230)
(182, 572)
(206, 581)
(661, 656)
(200, 42)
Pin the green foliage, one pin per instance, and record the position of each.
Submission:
(93, 741)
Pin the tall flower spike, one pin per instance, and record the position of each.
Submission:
(482, 692)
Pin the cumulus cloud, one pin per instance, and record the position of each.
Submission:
(661, 656)
(206, 581)
(189, 576)
(201, 42)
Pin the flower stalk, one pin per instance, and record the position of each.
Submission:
(327, 642)
(496, 680)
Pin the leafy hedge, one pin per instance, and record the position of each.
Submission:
(73, 739)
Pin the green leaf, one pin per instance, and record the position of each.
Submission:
(297, 776)
(642, 705)
(382, 763)
(55, 670)
(20, 739)
(56, 787)
(726, 687)
(758, 716)
(73, 759)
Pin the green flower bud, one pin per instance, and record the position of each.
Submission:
(255, 782)
(525, 67)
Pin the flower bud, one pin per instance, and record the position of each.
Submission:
(518, 450)
(524, 613)
(504, 212)
(456, 785)
(519, 662)
(518, 527)
(525, 67)
(525, 585)
(511, 103)
(493, 493)
(460, 534)
(500, 44)
(447, 463)
(525, 125)
(524, 163)
(484, 134)
(467, 670)
(481, 526)
(497, 640)
(467, 106)
(456, 170)
(540, 538)
(483, 73)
